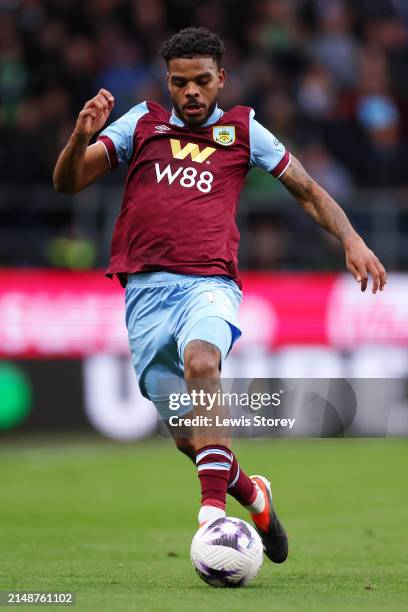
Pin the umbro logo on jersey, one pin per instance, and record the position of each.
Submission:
(191, 149)
(162, 128)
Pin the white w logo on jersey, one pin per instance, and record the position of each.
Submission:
(167, 172)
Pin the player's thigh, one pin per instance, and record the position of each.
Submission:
(208, 341)
(210, 313)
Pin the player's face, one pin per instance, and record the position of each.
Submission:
(193, 85)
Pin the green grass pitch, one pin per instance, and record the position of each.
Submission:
(114, 524)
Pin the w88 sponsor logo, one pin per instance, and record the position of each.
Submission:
(187, 177)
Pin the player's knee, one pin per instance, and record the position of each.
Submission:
(202, 365)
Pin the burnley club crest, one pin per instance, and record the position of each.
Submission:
(224, 134)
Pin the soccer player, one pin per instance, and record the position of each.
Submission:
(175, 244)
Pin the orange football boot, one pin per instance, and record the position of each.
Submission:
(267, 524)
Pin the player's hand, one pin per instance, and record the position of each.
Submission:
(361, 262)
(94, 114)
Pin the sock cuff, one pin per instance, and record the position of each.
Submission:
(214, 453)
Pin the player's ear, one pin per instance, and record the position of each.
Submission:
(221, 78)
(168, 79)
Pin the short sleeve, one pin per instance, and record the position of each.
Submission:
(118, 137)
(266, 150)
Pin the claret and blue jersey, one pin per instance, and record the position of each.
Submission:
(182, 187)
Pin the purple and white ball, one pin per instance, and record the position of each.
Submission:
(227, 552)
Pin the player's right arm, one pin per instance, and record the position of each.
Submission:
(79, 164)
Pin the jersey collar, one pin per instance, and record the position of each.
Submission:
(213, 118)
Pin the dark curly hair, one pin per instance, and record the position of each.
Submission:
(193, 42)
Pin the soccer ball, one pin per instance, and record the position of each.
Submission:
(227, 552)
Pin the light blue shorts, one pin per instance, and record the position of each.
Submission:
(164, 312)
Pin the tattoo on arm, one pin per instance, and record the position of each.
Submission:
(316, 201)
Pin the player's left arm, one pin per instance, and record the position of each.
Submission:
(360, 260)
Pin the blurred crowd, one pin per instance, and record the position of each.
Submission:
(327, 77)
